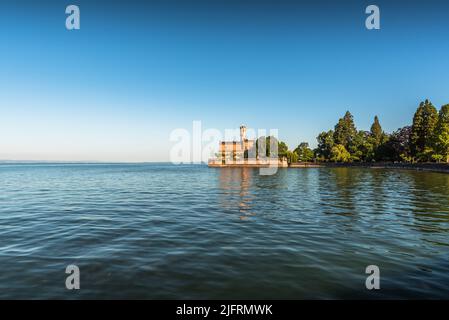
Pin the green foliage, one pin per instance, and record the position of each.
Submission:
(381, 150)
(427, 139)
(362, 147)
(292, 157)
(426, 154)
(304, 152)
(376, 132)
(406, 158)
(397, 146)
(422, 135)
(441, 135)
(325, 144)
(340, 154)
(282, 149)
(266, 147)
(345, 130)
(438, 157)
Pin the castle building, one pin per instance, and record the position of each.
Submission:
(236, 150)
(243, 154)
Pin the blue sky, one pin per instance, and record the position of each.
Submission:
(116, 88)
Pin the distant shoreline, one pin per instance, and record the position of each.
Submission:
(426, 166)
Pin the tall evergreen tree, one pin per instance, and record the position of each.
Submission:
(442, 133)
(376, 132)
(424, 122)
(345, 130)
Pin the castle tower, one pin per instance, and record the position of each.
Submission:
(243, 140)
(242, 133)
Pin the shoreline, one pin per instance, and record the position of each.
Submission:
(428, 167)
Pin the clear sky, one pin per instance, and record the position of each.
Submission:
(135, 71)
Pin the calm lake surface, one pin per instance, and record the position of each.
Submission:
(189, 231)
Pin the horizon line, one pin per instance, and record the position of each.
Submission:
(6, 161)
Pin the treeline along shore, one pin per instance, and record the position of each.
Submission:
(424, 144)
(418, 166)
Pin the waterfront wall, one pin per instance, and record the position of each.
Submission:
(436, 167)
(251, 163)
(305, 165)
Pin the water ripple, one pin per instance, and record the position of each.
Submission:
(164, 231)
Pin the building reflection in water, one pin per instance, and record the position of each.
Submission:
(236, 196)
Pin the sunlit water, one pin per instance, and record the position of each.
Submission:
(165, 231)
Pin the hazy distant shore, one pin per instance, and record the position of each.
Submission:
(428, 166)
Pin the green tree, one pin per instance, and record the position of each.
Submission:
(437, 157)
(441, 138)
(340, 154)
(376, 132)
(304, 152)
(325, 144)
(292, 157)
(422, 135)
(345, 130)
(282, 149)
(266, 147)
(362, 147)
(263, 148)
(397, 147)
(259, 145)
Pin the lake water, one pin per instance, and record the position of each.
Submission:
(189, 231)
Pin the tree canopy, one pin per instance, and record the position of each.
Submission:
(345, 130)
(340, 154)
(441, 134)
(376, 132)
(269, 147)
(424, 123)
(304, 152)
(426, 139)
